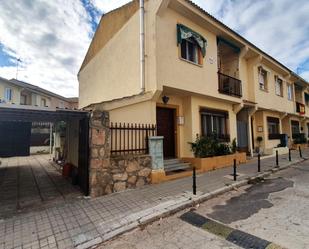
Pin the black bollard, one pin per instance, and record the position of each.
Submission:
(290, 158)
(259, 162)
(300, 153)
(234, 171)
(277, 159)
(194, 181)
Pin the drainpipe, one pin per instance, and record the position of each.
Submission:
(142, 45)
(250, 114)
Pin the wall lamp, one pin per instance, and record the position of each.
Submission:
(165, 99)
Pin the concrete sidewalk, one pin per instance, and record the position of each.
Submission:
(88, 222)
(32, 183)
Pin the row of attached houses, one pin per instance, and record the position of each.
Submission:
(17, 92)
(197, 77)
(24, 138)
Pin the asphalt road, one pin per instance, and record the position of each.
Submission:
(273, 210)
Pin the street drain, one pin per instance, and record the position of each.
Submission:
(232, 235)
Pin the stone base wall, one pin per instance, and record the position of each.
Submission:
(130, 171)
(112, 174)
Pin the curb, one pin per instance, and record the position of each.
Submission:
(185, 200)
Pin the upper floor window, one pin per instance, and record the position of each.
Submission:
(8, 95)
(262, 78)
(190, 51)
(278, 86)
(306, 99)
(192, 44)
(290, 91)
(43, 102)
(23, 99)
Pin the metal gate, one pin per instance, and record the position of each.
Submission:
(15, 133)
(83, 155)
(15, 138)
(242, 135)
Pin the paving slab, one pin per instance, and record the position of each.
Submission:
(87, 222)
(33, 182)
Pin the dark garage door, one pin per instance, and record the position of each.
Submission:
(15, 139)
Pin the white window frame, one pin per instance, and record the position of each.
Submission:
(43, 100)
(278, 86)
(8, 94)
(25, 99)
(262, 78)
(290, 91)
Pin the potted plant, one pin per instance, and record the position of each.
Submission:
(212, 153)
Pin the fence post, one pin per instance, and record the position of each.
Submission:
(194, 181)
(300, 153)
(277, 159)
(234, 171)
(290, 159)
(259, 162)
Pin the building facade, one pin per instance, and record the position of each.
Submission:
(200, 78)
(21, 93)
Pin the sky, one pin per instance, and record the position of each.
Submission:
(44, 42)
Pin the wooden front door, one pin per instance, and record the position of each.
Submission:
(166, 128)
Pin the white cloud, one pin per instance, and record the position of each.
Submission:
(108, 5)
(280, 28)
(52, 37)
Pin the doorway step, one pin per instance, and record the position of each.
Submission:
(172, 165)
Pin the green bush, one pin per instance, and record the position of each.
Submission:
(211, 146)
(234, 146)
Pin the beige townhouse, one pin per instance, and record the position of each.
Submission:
(21, 93)
(177, 67)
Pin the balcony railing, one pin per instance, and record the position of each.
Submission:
(229, 85)
(300, 108)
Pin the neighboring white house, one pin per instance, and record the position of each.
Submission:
(21, 93)
(25, 95)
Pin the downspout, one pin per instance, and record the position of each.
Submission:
(142, 46)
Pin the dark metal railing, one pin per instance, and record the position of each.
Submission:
(229, 85)
(220, 137)
(130, 138)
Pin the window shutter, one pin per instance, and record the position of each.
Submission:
(184, 33)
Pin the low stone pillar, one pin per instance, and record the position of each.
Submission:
(100, 182)
(156, 153)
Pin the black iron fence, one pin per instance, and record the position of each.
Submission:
(229, 85)
(130, 138)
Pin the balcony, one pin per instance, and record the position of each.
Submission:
(229, 85)
(300, 108)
